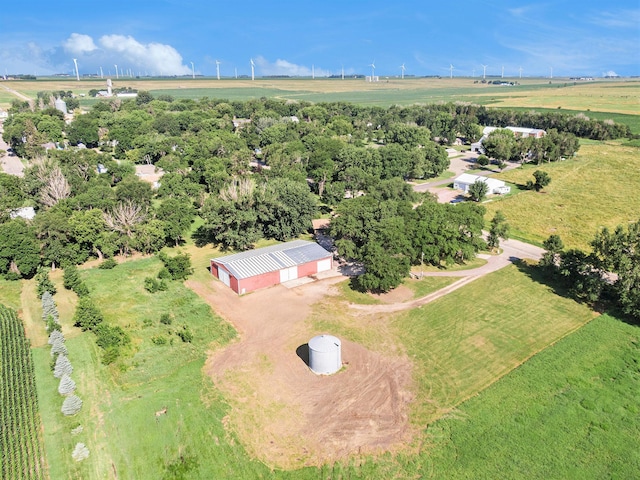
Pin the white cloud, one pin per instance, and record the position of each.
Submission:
(78, 44)
(618, 19)
(156, 57)
(284, 67)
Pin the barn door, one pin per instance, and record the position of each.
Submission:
(287, 274)
(223, 275)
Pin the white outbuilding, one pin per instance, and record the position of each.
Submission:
(464, 181)
(325, 355)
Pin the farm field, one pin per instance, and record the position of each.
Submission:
(596, 189)
(619, 96)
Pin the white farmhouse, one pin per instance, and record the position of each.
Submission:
(464, 181)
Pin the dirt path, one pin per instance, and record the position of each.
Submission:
(16, 93)
(10, 164)
(286, 415)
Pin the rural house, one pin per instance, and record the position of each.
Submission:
(247, 271)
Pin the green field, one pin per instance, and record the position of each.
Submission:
(572, 411)
(618, 96)
(10, 293)
(599, 188)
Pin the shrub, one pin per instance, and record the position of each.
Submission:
(81, 289)
(53, 325)
(111, 336)
(179, 266)
(58, 347)
(110, 355)
(164, 274)
(87, 315)
(71, 405)
(71, 277)
(49, 307)
(185, 334)
(159, 340)
(483, 160)
(152, 285)
(54, 336)
(108, 264)
(44, 283)
(166, 319)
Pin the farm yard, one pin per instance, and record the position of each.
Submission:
(507, 376)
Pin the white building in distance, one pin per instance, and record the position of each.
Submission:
(464, 182)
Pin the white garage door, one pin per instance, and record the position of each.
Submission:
(287, 274)
(223, 275)
(324, 265)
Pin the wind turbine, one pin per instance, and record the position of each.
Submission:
(313, 72)
(502, 75)
(218, 69)
(373, 70)
(551, 72)
(75, 62)
(450, 71)
(484, 71)
(236, 70)
(520, 70)
(101, 76)
(402, 69)
(193, 71)
(253, 65)
(116, 65)
(342, 72)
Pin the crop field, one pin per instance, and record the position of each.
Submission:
(619, 96)
(599, 188)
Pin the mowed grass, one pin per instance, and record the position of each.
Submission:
(599, 188)
(10, 293)
(468, 339)
(572, 411)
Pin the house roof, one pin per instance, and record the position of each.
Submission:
(471, 179)
(269, 259)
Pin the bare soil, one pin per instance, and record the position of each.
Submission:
(283, 413)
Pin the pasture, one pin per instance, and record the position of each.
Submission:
(598, 188)
(614, 96)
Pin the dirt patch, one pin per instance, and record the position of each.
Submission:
(400, 294)
(286, 415)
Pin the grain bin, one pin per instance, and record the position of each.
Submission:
(325, 356)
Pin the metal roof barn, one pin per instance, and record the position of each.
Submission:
(263, 267)
(325, 354)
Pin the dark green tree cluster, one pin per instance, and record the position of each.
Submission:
(609, 274)
(387, 236)
(503, 145)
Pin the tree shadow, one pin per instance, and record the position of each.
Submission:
(303, 352)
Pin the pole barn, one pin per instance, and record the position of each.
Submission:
(247, 271)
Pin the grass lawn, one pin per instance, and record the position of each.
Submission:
(468, 339)
(596, 189)
(572, 411)
(10, 293)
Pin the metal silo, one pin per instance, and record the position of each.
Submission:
(325, 356)
(60, 105)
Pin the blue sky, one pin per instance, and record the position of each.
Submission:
(572, 37)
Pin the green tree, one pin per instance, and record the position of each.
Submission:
(19, 249)
(550, 260)
(542, 179)
(478, 191)
(177, 215)
(499, 229)
(500, 144)
(87, 315)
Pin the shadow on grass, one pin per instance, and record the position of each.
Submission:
(606, 304)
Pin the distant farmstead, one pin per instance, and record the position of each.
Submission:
(464, 182)
(264, 267)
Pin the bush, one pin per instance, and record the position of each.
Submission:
(111, 336)
(483, 160)
(166, 319)
(152, 285)
(159, 340)
(164, 274)
(53, 325)
(44, 283)
(108, 264)
(81, 289)
(80, 452)
(179, 267)
(87, 315)
(185, 334)
(110, 355)
(71, 277)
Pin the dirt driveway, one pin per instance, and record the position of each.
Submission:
(284, 414)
